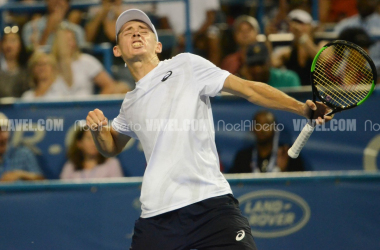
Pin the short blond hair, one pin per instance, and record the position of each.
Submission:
(34, 59)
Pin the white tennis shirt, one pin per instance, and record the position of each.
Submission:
(170, 113)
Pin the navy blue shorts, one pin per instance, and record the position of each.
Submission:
(215, 223)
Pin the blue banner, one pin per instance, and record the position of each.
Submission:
(315, 211)
(350, 142)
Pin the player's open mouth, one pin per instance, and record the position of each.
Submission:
(137, 45)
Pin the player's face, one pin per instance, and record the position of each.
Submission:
(136, 39)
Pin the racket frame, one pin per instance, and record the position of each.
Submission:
(306, 132)
(334, 108)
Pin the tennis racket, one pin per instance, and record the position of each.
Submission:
(343, 76)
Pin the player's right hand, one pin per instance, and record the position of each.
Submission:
(96, 119)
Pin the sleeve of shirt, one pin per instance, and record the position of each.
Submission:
(121, 125)
(94, 67)
(209, 78)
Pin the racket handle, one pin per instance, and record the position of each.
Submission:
(301, 140)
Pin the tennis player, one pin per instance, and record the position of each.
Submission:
(186, 201)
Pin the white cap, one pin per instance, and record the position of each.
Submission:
(134, 14)
(249, 19)
(301, 16)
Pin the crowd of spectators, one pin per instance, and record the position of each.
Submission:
(42, 57)
(220, 33)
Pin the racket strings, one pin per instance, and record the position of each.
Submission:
(362, 74)
(342, 98)
(349, 74)
(332, 97)
(342, 75)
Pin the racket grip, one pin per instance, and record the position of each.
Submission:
(301, 140)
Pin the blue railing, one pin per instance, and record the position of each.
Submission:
(233, 179)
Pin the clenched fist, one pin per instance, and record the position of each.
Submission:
(96, 119)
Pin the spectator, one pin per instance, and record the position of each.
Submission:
(267, 155)
(358, 36)
(300, 55)
(85, 161)
(277, 19)
(102, 20)
(202, 17)
(13, 73)
(16, 163)
(333, 11)
(258, 68)
(246, 29)
(42, 31)
(369, 20)
(81, 70)
(20, 18)
(44, 78)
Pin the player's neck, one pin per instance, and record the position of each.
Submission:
(141, 67)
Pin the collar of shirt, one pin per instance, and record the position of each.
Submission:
(149, 75)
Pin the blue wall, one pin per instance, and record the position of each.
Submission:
(315, 211)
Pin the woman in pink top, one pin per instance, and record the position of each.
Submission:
(85, 162)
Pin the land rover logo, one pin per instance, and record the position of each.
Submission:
(274, 213)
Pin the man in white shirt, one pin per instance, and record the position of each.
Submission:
(186, 202)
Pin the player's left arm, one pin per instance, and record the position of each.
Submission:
(264, 95)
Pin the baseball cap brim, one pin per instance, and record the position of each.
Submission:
(134, 14)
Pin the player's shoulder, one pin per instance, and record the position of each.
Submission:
(186, 57)
(180, 57)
